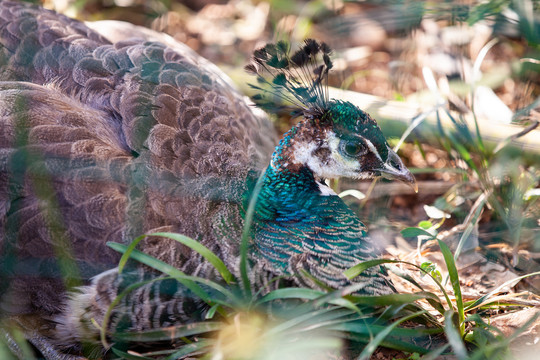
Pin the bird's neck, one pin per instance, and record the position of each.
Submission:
(287, 184)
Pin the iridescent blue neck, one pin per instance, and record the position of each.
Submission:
(287, 185)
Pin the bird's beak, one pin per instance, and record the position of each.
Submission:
(394, 169)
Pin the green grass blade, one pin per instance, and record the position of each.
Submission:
(168, 333)
(497, 348)
(373, 344)
(291, 293)
(334, 297)
(184, 240)
(327, 321)
(317, 297)
(454, 337)
(431, 298)
(309, 318)
(201, 249)
(360, 268)
(246, 234)
(414, 231)
(212, 311)
(459, 146)
(454, 279)
(404, 275)
(126, 255)
(417, 120)
(391, 299)
(188, 350)
(164, 268)
(481, 324)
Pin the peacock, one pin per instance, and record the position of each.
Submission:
(103, 139)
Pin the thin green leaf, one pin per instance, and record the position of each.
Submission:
(391, 299)
(414, 123)
(187, 241)
(464, 153)
(501, 145)
(169, 333)
(432, 299)
(126, 255)
(361, 267)
(454, 337)
(335, 297)
(318, 283)
(309, 318)
(158, 353)
(505, 341)
(373, 344)
(292, 293)
(414, 231)
(201, 249)
(405, 275)
(480, 323)
(164, 268)
(212, 311)
(189, 350)
(246, 234)
(328, 321)
(454, 279)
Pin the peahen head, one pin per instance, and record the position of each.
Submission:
(335, 138)
(300, 224)
(349, 143)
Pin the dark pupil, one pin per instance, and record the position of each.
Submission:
(353, 148)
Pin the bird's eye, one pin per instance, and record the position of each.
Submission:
(352, 148)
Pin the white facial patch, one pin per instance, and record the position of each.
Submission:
(331, 167)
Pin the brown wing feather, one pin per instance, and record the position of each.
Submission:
(132, 136)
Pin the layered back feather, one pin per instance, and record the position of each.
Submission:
(103, 142)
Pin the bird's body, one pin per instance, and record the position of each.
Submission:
(103, 142)
(126, 134)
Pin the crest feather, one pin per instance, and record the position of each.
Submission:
(300, 79)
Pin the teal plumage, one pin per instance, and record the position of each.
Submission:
(304, 230)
